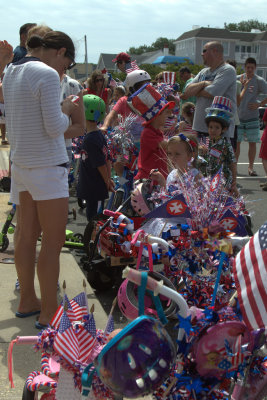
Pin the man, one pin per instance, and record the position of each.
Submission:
(217, 79)
(123, 61)
(21, 51)
(252, 86)
(187, 77)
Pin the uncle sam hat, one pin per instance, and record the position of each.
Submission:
(148, 103)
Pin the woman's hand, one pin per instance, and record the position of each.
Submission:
(68, 106)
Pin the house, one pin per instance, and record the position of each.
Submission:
(237, 45)
(105, 60)
(80, 72)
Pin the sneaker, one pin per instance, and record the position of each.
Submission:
(17, 287)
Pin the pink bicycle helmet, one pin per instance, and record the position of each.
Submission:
(139, 198)
(128, 299)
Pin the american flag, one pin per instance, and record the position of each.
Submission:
(132, 67)
(78, 304)
(86, 336)
(66, 343)
(169, 77)
(250, 273)
(55, 321)
(109, 328)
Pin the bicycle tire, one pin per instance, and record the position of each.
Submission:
(118, 199)
(100, 279)
(27, 394)
(81, 203)
(5, 244)
(87, 235)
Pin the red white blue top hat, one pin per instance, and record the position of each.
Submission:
(148, 103)
(221, 109)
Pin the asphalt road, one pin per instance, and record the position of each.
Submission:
(256, 201)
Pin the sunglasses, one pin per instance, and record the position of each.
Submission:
(99, 80)
(70, 56)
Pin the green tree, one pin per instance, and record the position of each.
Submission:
(246, 26)
(157, 45)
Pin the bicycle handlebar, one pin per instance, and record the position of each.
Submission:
(158, 288)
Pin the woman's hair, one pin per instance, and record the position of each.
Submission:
(191, 144)
(92, 80)
(37, 30)
(188, 109)
(53, 40)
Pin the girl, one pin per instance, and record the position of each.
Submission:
(96, 85)
(188, 111)
(182, 151)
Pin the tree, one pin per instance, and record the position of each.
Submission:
(157, 45)
(246, 26)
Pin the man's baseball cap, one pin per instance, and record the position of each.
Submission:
(122, 57)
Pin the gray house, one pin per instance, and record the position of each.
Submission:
(237, 45)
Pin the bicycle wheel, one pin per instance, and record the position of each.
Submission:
(100, 276)
(5, 244)
(28, 395)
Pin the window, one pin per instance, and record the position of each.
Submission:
(237, 49)
(225, 48)
(243, 49)
(248, 49)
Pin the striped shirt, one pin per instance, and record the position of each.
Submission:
(35, 122)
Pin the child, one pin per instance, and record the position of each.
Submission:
(187, 113)
(149, 103)
(182, 152)
(220, 152)
(263, 149)
(94, 181)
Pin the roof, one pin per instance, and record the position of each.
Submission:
(171, 60)
(217, 33)
(141, 58)
(107, 59)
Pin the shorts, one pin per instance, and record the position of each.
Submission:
(249, 131)
(44, 183)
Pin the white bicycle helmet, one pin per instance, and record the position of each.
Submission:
(136, 76)
(139, 198)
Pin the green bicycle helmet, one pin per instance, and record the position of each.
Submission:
(94, 108)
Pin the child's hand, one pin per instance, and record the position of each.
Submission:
(111, 186)
(233, 190)
(157, 176)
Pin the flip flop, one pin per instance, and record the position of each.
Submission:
(252, 173)
(26, 315)
(40, 326)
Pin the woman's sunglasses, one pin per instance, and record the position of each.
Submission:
(99, 80)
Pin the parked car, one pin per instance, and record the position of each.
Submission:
(261, 112)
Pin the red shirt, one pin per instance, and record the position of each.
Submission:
(151, 156)
(122, 108)
(104, 95)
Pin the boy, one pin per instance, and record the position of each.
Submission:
(149, 103)
(94, 181)
(220, 152)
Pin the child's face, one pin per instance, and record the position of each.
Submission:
(178, 155)
(162, 117)
(215, 130)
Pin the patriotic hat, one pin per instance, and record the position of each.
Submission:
(220, 110)
(148, 103)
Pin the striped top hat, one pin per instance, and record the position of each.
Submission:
(148, 103)
(221, 110)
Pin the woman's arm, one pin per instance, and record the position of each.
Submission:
(78, 120)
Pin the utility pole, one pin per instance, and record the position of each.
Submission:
(86, 59)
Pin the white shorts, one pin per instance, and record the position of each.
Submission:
(44, 183)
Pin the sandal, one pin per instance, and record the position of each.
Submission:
(251, 172)
(5, 142)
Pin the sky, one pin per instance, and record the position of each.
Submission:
(112, 26)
